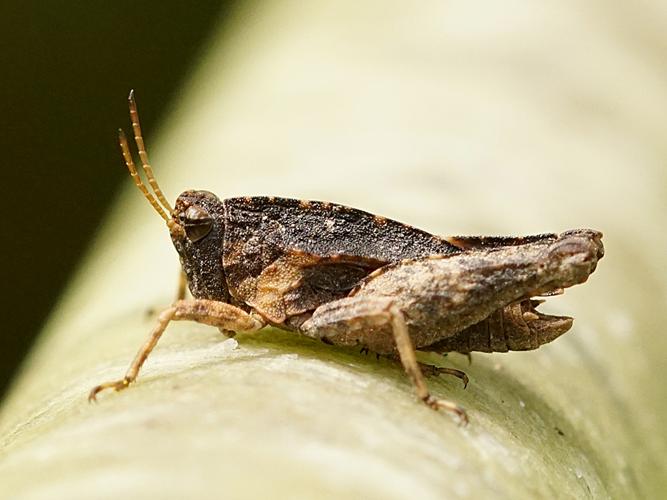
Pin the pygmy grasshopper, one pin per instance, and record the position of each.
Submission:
(348, 277)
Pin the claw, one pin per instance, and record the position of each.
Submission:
(465, 380)
(117, 385)
(440, 370)
(456, 373)
(448, 406)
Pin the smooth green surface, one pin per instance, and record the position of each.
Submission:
(432, 114)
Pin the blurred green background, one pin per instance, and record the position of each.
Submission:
(67, 68)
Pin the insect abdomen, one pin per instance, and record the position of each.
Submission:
(517, 327)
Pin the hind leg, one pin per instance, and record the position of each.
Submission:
(378, 323)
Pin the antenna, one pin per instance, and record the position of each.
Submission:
(145, 165)
(156, 197)
(129, 162)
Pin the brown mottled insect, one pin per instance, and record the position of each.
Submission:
(348, 277)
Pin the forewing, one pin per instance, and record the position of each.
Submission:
(289, 256)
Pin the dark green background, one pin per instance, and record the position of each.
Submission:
(66, 70)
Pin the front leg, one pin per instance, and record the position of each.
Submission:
(210, 312)
(349, 320)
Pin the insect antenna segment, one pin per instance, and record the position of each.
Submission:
(129, 162)
(165, 209)
(138, 138)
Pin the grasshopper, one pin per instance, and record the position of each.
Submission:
(348, 277)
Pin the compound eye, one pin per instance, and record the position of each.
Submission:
(197, 223)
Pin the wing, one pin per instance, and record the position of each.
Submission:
(285, 257)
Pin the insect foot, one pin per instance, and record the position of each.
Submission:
(209, 312)
(438, 404)
(430, 370)
(117, 385)
(406, 351)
